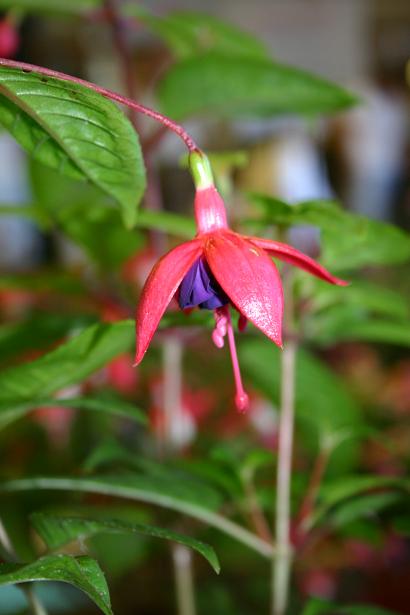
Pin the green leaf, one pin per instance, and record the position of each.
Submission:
(376, 243)
(349, 241)
(190, 33)
(253, 461)
(85, 215)
(59, 531)
(316, 606)
(334, 493)
(110, 454)
(363, 609)
(323, 213)
(322, 401)
(69, 364)
(77, 131)
(110, 404)
(366, 506)
(344, 323)
(82, 572)
(63, 6)
(350, 486)
(378, 330)
(28, 211)
(50, 281)
(402, 525)
(174, 224)
(369, 297)
(38, 332)
(220, 85)
(193, 498)
(201, 319)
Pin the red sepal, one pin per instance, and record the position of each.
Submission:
(161, 285)
(249, 278)
(290, 255)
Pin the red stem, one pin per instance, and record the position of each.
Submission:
(123, 100)
(256, 515)
(312, 491)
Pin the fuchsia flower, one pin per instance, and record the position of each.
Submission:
(219, 268)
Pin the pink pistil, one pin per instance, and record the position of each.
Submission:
(224, 327)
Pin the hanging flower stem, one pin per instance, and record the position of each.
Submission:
(123, 100)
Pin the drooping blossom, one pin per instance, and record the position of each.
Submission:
(219, 269)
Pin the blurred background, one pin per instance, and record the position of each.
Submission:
(360, 157)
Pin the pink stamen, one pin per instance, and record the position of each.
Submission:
(241, 397)
(220, 330)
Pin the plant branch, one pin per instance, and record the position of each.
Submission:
(258, 519)
(6, 542)
(174, 441)
(123, 100)
(35, 604)
(309, 500)
(172, 393)
(282, 557)
(184, 582)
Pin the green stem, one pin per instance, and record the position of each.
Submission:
(35, 604)
(174, 441)
(282, 557)
(283, 554)
(6, 542)
(201, 170)
(172, 394)
(184, 582)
